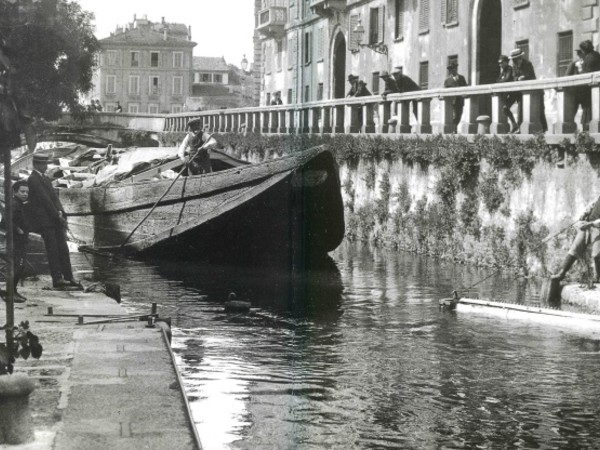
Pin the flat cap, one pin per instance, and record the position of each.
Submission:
(41, 158)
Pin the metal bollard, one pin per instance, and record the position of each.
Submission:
(80, 320)
(50, 310)
(154, 309)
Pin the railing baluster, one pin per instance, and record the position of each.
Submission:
(499, 121)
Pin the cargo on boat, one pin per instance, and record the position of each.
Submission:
(137, 202)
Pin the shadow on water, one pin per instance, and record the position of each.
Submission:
(314, 292)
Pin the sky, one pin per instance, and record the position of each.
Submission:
(219, 27)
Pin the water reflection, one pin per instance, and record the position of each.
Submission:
(355, 354)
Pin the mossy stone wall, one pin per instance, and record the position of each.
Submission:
(491, 202)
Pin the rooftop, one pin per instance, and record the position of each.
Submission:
(145, 32)
(210, 64)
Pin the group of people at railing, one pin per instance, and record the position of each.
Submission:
(391, 113)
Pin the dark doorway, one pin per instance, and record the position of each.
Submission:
(339, 66)
(489, 40)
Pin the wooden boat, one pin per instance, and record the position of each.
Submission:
(288, 206)
(510, 311)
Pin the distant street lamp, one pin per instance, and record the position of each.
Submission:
(244, 64)
(359, 32)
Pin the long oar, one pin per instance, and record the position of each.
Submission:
(185, 166)
(153, 207)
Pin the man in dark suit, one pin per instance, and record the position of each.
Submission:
(455, 80)
(523, 70)
(405, 84)
(49, 219)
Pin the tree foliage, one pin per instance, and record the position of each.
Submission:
(52, 48)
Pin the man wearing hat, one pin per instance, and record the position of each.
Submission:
(506, 76)
(353, 80)
(406, 84)
(195, 148)
(523, 70)
(390, 83)
(48, 218)
(455, 80)
(591, 63)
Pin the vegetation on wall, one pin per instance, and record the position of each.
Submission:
(472, 178)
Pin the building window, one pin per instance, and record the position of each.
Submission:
(111, 84)
(450, 12)
(268, 98)
(423, 16)
(375, 83)
(218, 78)
(279, 54)
(424, 75)
(177, 85)
(135, 59)
(292, 51)
(353, 41)
(320, 43)
(134, 84)
(206, 78)
(178, 60)
(133, 108)
(307, 93)
(376, 20)
(111, 57)
(565, 52)
(152, 108)
(399, 20)
(307, 47)
(524, 46)
(154, 59)
(290, 96)
(320, 91)
(154, 85)
(175, 109)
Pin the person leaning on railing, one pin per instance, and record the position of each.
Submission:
(591, 63)
(455, 80)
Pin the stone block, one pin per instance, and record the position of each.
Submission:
(589, 26)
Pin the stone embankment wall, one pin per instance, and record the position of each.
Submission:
(489, 202)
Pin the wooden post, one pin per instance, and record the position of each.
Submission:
(10, 275)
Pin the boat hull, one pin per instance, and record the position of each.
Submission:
(290, 207)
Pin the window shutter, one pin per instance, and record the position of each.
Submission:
(444, 9)
(452, 11)
(380, 23)
(399, 31)
(353, 42)
(320, 42)
(424, 16)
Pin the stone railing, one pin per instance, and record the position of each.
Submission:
(138, 121)
(420, 113)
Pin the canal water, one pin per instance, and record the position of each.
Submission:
(356, 354)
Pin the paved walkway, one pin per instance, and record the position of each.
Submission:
(100, 386)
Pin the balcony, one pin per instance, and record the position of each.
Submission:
(271, 22)
(327, 7)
